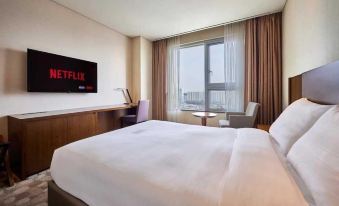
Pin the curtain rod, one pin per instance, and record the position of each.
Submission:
(217, 25)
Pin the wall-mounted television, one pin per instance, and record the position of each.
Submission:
(48, 72)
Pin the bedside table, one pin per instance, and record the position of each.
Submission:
(265, 127)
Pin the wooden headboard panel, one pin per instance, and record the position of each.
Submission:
(319, 85)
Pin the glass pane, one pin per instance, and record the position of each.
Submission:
(216, 63)
(192, 78)
(216, 100)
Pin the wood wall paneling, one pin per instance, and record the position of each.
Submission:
(320, 85)
(295, 88)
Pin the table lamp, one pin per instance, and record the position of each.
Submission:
(126, 95)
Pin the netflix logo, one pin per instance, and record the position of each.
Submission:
(66, 74)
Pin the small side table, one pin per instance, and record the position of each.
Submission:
(204, 116)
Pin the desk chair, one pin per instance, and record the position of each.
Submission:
(140, 116)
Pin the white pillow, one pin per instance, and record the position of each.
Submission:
(295, 120)
(315, 156)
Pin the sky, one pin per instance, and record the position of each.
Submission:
(191, 67)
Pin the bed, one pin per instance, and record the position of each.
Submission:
(164, 163)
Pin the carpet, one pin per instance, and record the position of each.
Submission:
(29, 192)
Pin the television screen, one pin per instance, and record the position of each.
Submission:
(54, 73)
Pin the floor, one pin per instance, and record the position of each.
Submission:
(30, 192)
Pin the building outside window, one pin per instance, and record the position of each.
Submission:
(202, 76)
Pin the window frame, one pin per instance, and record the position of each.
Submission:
(208, 86)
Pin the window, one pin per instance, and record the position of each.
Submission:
(192, 77)
(202, 77)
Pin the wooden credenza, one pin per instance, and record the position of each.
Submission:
(34, 137)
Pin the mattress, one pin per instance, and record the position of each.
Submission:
(165, 163)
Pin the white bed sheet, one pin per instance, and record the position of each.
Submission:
(163, 163)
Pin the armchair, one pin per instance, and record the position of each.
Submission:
(241, 119)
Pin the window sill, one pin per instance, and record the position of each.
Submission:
(191, 110)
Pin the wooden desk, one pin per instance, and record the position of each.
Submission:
(35, 136)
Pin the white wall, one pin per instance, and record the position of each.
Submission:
(47, 26)
(142, 70)
(136, 72)
(206, 34)
(310, 37)
(146, 68)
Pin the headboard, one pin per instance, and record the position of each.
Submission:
(319, 85)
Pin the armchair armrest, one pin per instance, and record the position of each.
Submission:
(241, 121)
(228, 114)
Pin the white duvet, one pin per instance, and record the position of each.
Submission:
(160, 163)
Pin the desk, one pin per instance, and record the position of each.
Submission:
(35, 136)
(204, 116)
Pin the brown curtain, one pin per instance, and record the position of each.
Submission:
(159, 80)
(263, 63)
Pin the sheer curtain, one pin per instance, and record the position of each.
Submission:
(234, 41)
(173, 101)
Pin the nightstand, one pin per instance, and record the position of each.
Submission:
(265, 127)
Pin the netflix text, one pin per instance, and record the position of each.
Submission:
(66, 74)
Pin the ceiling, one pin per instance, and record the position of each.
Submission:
(156, 19)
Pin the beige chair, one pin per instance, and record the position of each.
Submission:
(241, 119)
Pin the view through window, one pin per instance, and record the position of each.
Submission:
(201, 76)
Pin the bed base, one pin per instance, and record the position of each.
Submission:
(58, 197)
